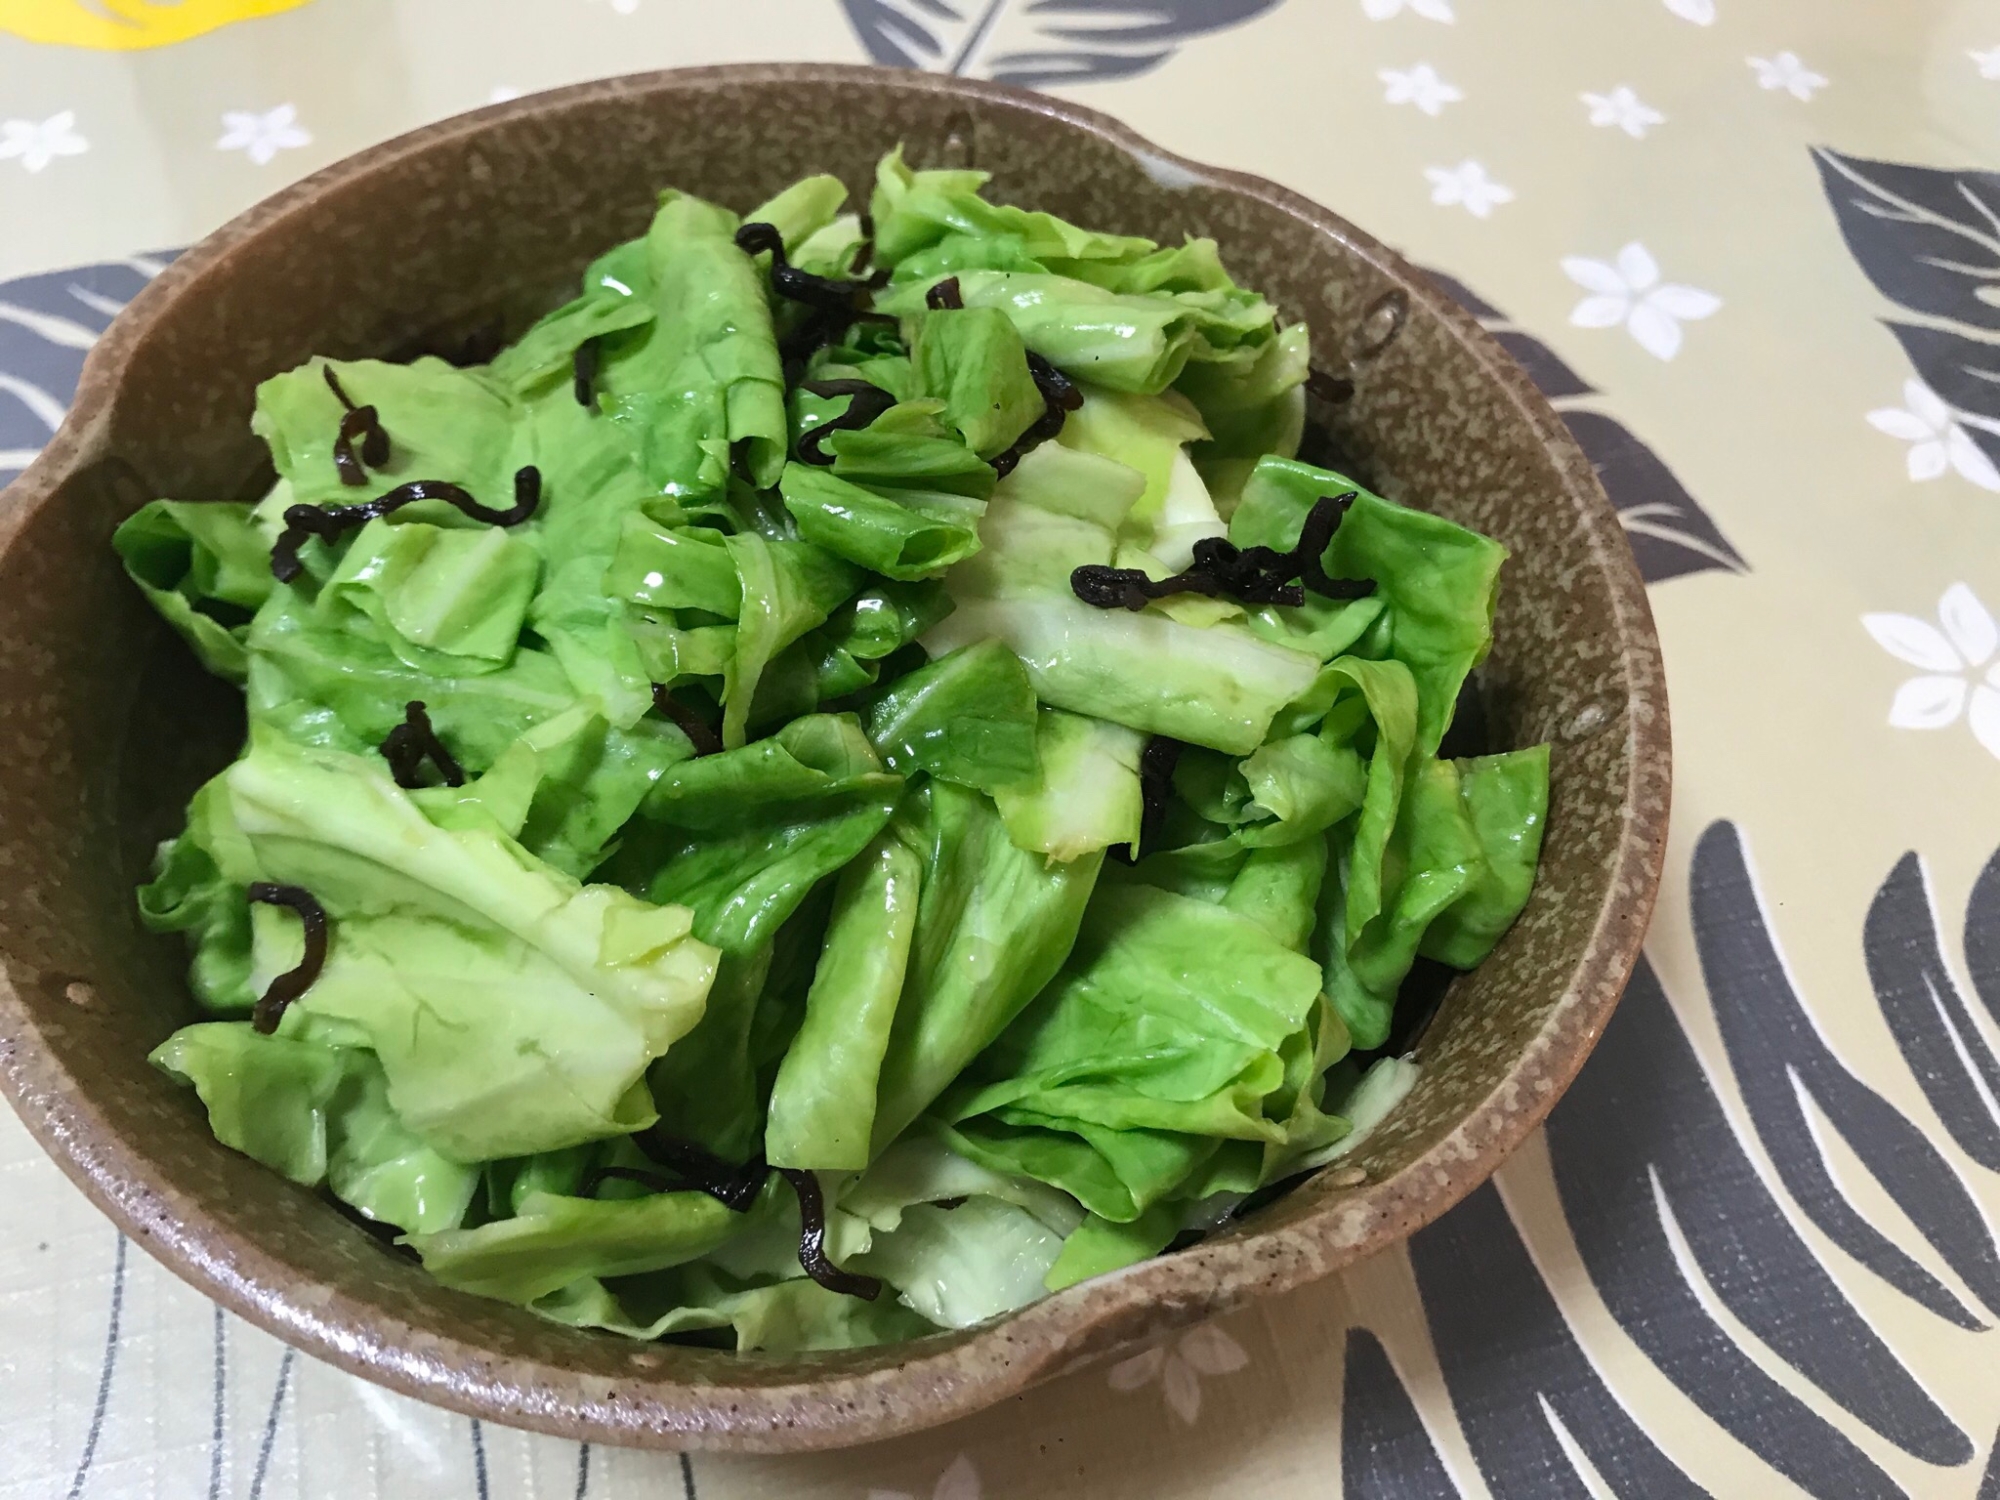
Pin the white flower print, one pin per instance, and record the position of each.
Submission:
(1949, 654)
(1625, 110)
(1786, 72)
(1467, 184)
(1630, 292)
(1179, 1366)
(1937, 442)
(958, 1482)
(38, 144)
(263, 136)
(1430, 10)
(1988, 62)
(1701, 12)
(1419, 86)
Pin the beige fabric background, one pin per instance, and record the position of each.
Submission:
(1781, 697)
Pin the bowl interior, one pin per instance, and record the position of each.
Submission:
(106, 725)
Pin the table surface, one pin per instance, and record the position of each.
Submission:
(1749, 249)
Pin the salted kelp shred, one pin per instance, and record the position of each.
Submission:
(293, 983)
(812, 1241)
(1060, 397)
(328, 522)
(866, 402)
(583, 365)
(732, 1186)
(356, 422)
(1221, 570)
(700, 733)
(414, 741)
(826, 293)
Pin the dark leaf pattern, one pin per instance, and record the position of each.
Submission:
(1514, 1368)
(1671, 534)
(1928, 239)
(1779, 1056)
(1039, 42)
(47, 324)
(1964, 372)
(1658, 1190)
(906, 33)
(1385, 1453)
(1982, 937)
(1545, 367)
(1958, 1072)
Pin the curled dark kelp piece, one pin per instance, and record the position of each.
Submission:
(700, 733)
(945, 296)
(1156, 785)
(868, 401)
(1322, 521)
(356, 422)
(734, 1187)
(414, 741)
(1060, 397)
(1106, 587)
(328, 522)
(1252, 575)
(812, 1241)
(293, 983)
(1329, 387)
(583, 367)
(826, 293)
(818, 330)
(1246, 575)
(864, 249)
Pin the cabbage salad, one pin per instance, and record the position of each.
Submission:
(847, 779)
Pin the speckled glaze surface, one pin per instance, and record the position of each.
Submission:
(105, 726)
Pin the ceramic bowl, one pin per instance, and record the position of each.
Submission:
(106, 725)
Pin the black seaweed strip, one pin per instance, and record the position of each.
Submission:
(328, 522)
(293, 983)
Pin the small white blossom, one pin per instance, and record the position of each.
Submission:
(1179, 1366)
(1950, 655)
(1786, 72)
(958, 1482)
(38, 144)
(1937, 442)
(262, 137)
(1420, 86)
(1630, 293)
(1430, 10)
(1701, 12)
(1625, 110)
(1988, 62)
(1467, 184)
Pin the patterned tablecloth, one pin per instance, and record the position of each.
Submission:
(1749, 249)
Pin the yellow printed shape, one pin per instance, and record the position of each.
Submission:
(127, 25)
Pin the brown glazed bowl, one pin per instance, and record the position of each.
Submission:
(106, 725)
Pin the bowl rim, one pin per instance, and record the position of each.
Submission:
(1002, 1358)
